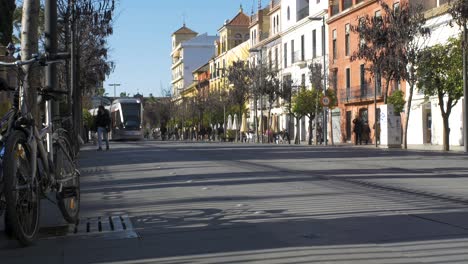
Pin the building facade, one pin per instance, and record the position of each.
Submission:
(425, 125)
(232, 45)
(189, 51)
(354, 84)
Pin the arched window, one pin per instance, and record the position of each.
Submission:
(288, 13)
(247, 37)
(237, 39)
(274, 24)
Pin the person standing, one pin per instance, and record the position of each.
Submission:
(103, 126)
(357, 130)
(366, 133)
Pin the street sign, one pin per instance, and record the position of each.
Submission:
(325, 101)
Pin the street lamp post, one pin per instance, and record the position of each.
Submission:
(114, 85)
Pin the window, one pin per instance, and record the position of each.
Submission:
(362, 78)
(348, 82)
(347, 39)
(288, 13)
(334, 44)
(285, 55)
(335, 79)
(379, 84)
(347, 4)
(246, 37)
(396, 7)
(362, 40)
(270, 63)
(302, 48)
(274, 25)
(314, 44)
(292, 52)
(335, 7)
(276, 58)
(224, 67)
(237, 39)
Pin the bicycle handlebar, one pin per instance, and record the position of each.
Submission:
(46, 58)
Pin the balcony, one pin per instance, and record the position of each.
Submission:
(299, 59)
(358, 94)
(303, 13)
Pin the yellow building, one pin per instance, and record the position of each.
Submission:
(233, 45)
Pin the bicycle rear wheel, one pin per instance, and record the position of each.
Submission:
(22, 192)
(69, 197)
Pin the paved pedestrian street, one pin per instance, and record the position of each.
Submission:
(177, 203)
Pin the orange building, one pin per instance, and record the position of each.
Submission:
(354, 85)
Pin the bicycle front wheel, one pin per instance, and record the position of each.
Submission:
(69, 196)
(22, 192)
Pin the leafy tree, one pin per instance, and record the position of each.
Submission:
(440, 74)
(397, 99)
(240, 77)
(286, 93)
(271, 90)
(306, 103)
(373, 45)
(393, 42)
(124, 94)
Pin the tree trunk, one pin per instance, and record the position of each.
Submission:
(330, 120)
(269, 125)
(446, 132)
(408, 111)
(310, 130)
(29, 46)
(387, 91)
(297, 140)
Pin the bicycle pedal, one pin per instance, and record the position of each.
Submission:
(67, 192)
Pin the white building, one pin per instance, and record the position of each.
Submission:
(301, 42)
(425, 125)
(189, 51)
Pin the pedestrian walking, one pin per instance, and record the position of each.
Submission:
(103, 126)
(357, 130)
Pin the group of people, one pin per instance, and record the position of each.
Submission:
(362, 131)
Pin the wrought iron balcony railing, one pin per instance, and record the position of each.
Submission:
(358, 94)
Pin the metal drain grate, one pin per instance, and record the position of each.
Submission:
(110, 224)
(111, 227)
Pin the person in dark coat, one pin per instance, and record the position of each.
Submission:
(102, 124)
(366, 133)
(358, 130)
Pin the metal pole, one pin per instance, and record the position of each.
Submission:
(51, 48)
(465, 87)
(261, 95)
(375, 111)
(324, 82)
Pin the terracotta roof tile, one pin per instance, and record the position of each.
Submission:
(240, 19)
(184, 30)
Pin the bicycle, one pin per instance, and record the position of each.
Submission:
(36, 162)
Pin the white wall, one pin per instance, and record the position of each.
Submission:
(194, 57)
(441, 32)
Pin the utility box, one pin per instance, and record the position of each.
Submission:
(390, 127)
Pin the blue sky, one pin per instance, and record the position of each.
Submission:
(141, 43)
